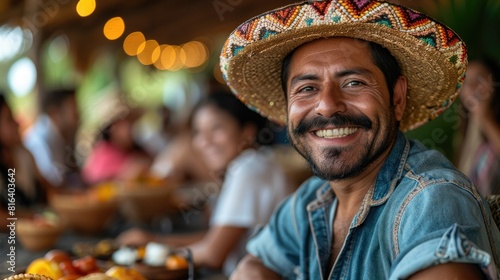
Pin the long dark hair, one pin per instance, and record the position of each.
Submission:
(21, 199)
(3, 105)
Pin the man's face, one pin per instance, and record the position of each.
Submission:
(340, 117)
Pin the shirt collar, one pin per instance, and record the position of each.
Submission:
(392, 170)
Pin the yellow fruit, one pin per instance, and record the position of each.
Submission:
(154, 182)
(115, 271)
(176, 262)
(141, 252)
(45, 267)
(124, 273)
(105, 191)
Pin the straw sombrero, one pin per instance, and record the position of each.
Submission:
(431, 55)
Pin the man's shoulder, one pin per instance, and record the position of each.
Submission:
(430, 165)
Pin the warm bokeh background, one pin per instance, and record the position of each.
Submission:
(93, 45)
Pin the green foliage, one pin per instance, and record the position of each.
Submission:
(477, 22)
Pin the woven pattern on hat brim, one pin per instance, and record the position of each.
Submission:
(255, 73)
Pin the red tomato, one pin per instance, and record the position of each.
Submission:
(68, 268)
(86, 265)
(57, 256)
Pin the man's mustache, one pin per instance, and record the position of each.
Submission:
(338, 120)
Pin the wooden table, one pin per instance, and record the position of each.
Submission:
(69, 238)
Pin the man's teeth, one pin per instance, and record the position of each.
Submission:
(336, 132)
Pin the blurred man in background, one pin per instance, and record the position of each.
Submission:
(51, 139)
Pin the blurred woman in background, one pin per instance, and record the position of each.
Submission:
(18, 169)
(225, 134)
(480, 154)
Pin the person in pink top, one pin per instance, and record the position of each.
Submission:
(115, 155)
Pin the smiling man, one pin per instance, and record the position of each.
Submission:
(347, 77)
(342, 116)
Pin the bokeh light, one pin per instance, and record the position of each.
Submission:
(158, 63)
(170, 58)
(11, 40)
(85, 8)
(150, 52)
(59, 48)
(114, 28)
(193, 54)
(133, 42)
(22, 77)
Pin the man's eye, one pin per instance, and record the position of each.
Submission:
(306, 88)
(354, 83)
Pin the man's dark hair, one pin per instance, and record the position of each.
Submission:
(388, 64)
(54, 98)
(381, 56)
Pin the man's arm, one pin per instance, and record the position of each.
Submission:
(455, 271)
(250, 267)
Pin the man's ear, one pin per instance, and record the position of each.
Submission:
(399, 98)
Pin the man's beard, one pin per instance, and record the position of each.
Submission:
(333, 156)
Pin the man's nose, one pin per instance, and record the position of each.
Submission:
(331, 100)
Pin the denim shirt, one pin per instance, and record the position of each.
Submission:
(420, 212)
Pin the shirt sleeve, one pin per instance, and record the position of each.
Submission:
(440, 226)
(248, 196)
(43, 160)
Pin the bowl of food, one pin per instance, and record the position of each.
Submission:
(143, 201)
(89, 212)
(39, 233)
(157, 261)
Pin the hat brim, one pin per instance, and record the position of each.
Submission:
(434, 72)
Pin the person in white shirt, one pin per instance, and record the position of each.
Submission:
(225, 133)
(51, 139)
